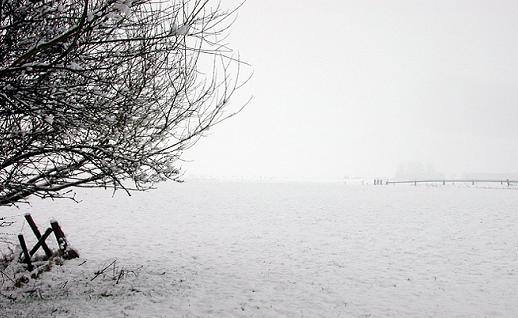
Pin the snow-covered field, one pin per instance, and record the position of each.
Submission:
(209, 249)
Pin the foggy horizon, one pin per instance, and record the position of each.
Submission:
(362, 89)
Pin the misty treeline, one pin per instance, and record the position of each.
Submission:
(107, 93)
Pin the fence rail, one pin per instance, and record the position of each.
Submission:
(507, 182)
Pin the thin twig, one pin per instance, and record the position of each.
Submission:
(103, 270)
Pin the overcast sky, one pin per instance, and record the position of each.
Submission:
(360, 88)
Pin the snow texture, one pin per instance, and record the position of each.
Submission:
(282, 250)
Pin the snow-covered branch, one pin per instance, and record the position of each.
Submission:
(94, 93)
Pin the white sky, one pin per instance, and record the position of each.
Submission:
(357, 88)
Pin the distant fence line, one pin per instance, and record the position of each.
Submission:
(507, 182)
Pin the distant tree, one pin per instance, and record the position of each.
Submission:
(107, 93)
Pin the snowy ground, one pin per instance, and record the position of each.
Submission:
(281, 250)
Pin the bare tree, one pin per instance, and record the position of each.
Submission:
(94, 93)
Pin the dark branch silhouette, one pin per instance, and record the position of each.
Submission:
(97, 93)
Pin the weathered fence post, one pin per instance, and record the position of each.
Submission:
(26, 254)
(64, 250)
(41, 242)
(37, 233)
(60, 236)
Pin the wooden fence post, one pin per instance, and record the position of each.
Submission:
(26, 254)
(37, 233)
(41, 242)
(60, 236)
(64, 250)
